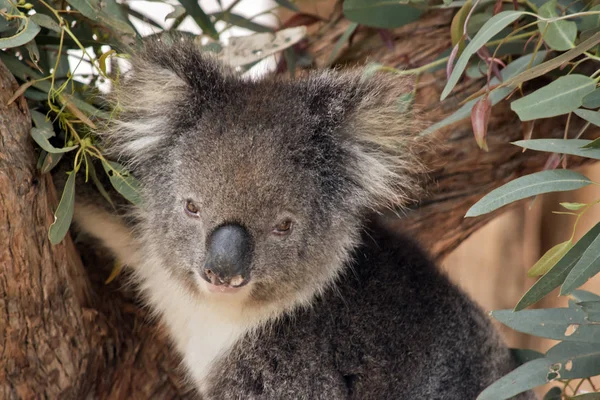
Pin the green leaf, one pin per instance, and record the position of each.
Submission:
(559, 35)
(561, 96)
(287, 4)
(523, 356)
(341, 42)
(122, 181)
(584, 359)
(527, 376)
(197, 13)
(490, 29)
(242, 22)
(46, 21)
(591, 309)
(380, 13)
(586, 396)
(556, 276)
(550, 258)
(527, 186)
(590, 116)
(587, 266)
(97, 11)
(594, 144)
(590, 21)
(177, 12)
(64, 212)
(94, 176)
(28, 31)
(50, 161)
(553, 63)
(40, 121)
(496, 95)
(573, 206)
(555, 393)
(592, 100)
(584, 295)
(40, 138)
(574, 147)
(567, 324)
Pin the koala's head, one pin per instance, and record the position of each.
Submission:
(257, 189)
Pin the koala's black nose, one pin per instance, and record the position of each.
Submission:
(229, 252)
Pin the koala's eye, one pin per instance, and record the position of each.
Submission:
(191, 209)
(283, 228)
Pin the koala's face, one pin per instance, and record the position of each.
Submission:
(256, 190)
(252, 202)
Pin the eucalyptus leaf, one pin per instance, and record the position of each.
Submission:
(586, 396)
(550, 258)
(94, 176)
(555, 393)
(553, 63)
(50, 161)
(576, 359)
(559, 35)
(200, 17)
(574, 147)
(587, 266)
(64, 212)
(527, 186)
(40, 138)
(496, 95)
(559, 97)
(556, 276)
(568, 324)
(490, 29)
(178, 11)
(95, 10)
(592, 100)
(380, 13)
(590, 116)
(122, 181)
(46, 21)
(594, 144)
(341, 42)
(584, 295)
(523, 356)
(591, 309)
(43, 124)
(242, 22)
(591, 21)
(527, 376)
(28, 31)
(287, 4)
(573, 206)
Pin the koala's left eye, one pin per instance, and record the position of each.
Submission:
(191, 209)
(284, 227)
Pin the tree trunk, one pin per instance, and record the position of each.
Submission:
(65, 334)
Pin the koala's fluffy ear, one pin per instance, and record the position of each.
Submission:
(169, 85)
(383, 137)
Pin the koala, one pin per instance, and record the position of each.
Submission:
(259, 244)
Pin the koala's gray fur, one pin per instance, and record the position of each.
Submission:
(341, 307)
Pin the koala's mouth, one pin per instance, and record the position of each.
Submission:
(224, 289)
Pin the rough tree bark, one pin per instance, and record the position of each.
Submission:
(65, 334)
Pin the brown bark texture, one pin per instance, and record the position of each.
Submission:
(66, 334)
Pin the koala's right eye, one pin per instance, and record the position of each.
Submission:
(191, 209)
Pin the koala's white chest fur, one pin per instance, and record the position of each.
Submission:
(201, 330)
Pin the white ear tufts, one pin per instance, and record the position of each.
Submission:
(387, 144)
(142, 104)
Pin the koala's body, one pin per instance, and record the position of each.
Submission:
(256, 243)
